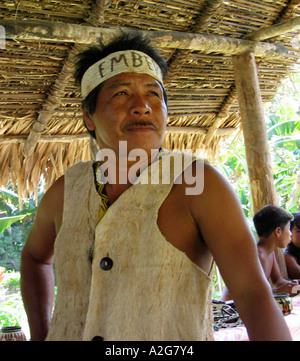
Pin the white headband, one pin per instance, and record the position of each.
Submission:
(129, 61)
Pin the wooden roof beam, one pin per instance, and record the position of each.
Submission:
(274, 30)
(80, 34)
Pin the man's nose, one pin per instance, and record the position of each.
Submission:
(140, 106)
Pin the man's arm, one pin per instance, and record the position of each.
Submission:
(280, 284)
(37, 287)
(37, 276)
(223, 226)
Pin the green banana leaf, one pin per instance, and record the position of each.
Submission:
(6, 222)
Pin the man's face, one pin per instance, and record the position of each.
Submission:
(285, 237)
(130, 107)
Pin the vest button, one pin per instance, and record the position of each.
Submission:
(106, 263)
(97, 338)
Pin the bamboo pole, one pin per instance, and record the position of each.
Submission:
(255, 137)
(73, 33)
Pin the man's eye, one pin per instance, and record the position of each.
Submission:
(121, 92)
(153, 92)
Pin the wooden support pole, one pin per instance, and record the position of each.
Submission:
(254, 130)
(255, 137)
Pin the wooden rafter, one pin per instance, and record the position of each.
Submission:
(259, 35)
(274, 30)
(95, 17)
(223, 112)
(50, 104)
(207, 11)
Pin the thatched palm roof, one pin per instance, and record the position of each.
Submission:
(41, 129)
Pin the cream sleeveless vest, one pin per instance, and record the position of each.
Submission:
(139, 286)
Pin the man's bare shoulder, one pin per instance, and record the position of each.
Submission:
(266, 259)
(54, 196)
(209, 179)
(41, 238)
(51, 206)
(199, 176)
(263, 256)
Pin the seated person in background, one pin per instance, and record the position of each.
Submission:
(272, 225)
(292, 252)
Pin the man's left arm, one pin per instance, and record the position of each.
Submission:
(224, 228)
(281, 284)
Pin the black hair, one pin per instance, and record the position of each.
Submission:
(269, 218)
(90, 56)
(296, 220)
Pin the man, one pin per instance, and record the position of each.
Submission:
(292, 252)
(139, 270)
(272, 225)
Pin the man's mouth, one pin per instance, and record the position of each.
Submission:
(139, 126)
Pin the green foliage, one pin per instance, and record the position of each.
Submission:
(11, 244)
(11, 280)
(15, 224)
(12, 311)
(8, 314)
(233, 164)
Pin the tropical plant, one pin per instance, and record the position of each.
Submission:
(14, 225)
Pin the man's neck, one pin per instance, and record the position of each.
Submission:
(122, 172)
(266, 244)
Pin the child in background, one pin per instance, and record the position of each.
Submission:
(292, 252)
(272, 225)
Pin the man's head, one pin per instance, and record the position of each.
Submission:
(295, 229)
(273, 220)
(97, 64)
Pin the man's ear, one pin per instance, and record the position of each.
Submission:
(278, 231)
(88, 121)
